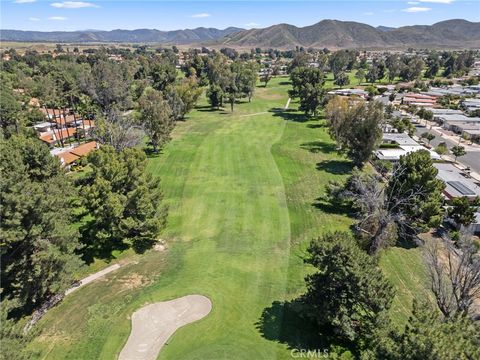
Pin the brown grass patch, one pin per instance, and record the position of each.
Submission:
(265, 93)
(133, 281)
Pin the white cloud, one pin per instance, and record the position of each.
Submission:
(72, 5)
(33, 19)
(24, 1)
(201, 15)
(413, 3)
(437, 1)
(368, 13)
(57, 18)
(416, 9)
(251, 24)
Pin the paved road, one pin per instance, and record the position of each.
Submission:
(471, 159)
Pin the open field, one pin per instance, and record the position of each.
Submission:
(242, 190)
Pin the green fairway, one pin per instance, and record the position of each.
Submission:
(242, 192)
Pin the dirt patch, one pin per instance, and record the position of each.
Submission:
(133, 281)
(160, 246)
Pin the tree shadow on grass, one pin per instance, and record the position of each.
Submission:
(332, 208)
(284, 83)
(94, 249)
(91, 252)
(205, 108)
(140, 246)
(283, 322)
(317, 126)
(290, 115)
(151, 154)
(319, 146)
(337, 167)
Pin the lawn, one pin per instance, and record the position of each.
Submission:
(242, 192)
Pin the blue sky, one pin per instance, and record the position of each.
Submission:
(170, 15)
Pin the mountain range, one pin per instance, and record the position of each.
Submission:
(348, 34)
(187, 36)
(333, 34)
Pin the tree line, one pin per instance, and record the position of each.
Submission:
(348, 298)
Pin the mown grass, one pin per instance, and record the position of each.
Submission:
(242, 190)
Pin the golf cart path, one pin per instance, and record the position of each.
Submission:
(154, 324)
(93, 277)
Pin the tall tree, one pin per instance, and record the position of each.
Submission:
(428, 336)
(123, 203)
(108, 85)
(189, 91)
(355, 127)
(117, 129)
(393, 65)
(37, 241)
(156, 117)
(410, 202)
(372, 74)
(163, 74)
(13, 340)
(415, 193)
(215, 96)
(348, 292)
(433, 65)
(341, 79)
(458, 151)
(360, 75)
(9, 113)
(463, 210)
(412, 68)
(454, 276)
(307, 85)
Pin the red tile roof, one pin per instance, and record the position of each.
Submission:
(56, 135)
(67, 157)
(70, 156)
(84, 149)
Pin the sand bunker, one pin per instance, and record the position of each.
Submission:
(153, 325)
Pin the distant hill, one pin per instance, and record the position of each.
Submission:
(187, 36)
(384, 28)
(348, 34)
(332, 34)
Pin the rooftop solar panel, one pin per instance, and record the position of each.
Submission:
(461, 188)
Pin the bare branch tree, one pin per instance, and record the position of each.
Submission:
(118, 130)
(380, 213)
(455, 276)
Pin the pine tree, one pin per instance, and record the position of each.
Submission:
(348, 292)
(38, 243)
(123, 201)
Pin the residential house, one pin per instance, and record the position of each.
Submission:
(458, 184)
(421, 100)
(405, 146)
(69, 157)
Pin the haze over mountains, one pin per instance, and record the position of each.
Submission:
(187, 36)
(326, 33)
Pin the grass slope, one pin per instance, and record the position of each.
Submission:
(241, 189)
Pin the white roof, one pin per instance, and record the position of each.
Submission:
(458, 117)
(42, 125)
(394, 154)
(457, 185)
(399, 138)
(445, 111)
